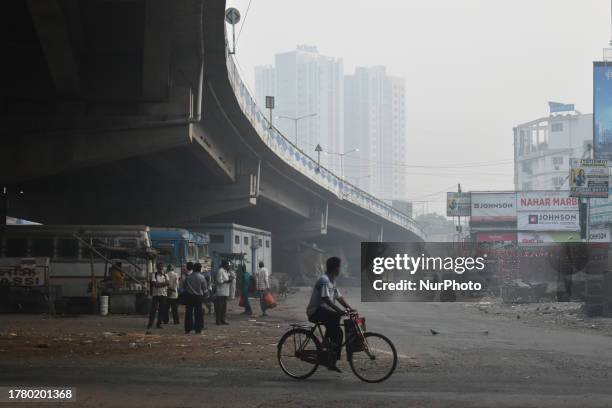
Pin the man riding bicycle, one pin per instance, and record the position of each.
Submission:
(322, 308)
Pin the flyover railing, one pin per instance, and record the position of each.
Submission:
(305, 164)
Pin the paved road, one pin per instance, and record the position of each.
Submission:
(476, 360)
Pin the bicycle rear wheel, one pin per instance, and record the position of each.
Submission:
(377, 361)
(298, 353)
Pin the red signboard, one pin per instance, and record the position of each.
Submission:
(495, 237)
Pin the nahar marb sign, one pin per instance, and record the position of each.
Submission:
(547, 211)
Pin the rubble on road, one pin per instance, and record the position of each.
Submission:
(566, 314)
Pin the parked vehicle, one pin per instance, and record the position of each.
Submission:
(255, 244)
(82, 259)
(177, 246)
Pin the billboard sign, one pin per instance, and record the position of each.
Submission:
(493, 207)
(555, 107)
(601, 211)
(505, 237)
(548, 221)
(546, 238)
(553, 200)
(458, 204)
(588, 178)
(599, 235)
(547, 211)
(602, 110)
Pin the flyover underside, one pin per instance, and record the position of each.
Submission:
(123, 112)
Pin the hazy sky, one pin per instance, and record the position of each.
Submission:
(473, 69)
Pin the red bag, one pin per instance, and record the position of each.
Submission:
(241, 301)
(269, 300)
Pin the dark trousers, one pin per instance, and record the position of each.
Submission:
(158, 305)
(220, 308)
(209, 305)
(262, 302)
(333, 332)
(194, 315)
(247, 304)
(171, 304)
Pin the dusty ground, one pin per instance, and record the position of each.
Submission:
(249, 341)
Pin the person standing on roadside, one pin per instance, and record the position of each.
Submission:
(185, 271)
(195, 288)
(159, 292)
(262, 284)
(224, 282)
(208, 299)
(245, 285)
(172, 300)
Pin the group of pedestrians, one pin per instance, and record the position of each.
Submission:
(196, 288)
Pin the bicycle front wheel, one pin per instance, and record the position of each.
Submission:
(298, 353)
(377, 361)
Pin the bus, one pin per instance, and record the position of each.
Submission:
(177, 246)
(82, 259)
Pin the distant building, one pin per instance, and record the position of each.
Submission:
(543, 147)
(306, 82)
(265, 84)
(375, 123)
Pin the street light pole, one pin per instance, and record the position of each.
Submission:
(342, 161)
(295, 122)
(341, 158)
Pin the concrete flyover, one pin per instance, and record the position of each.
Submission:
(117, 111)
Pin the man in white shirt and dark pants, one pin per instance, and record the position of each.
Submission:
(159, 292)
(224, 283)
(172, 300)
(262, 284)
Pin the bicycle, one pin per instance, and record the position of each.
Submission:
(371, 356)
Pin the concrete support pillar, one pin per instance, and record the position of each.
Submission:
(300, 262)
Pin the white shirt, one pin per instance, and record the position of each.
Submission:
(159, 278)
(173, 282)
(262, 279)
(223, 289)
(323, 288)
